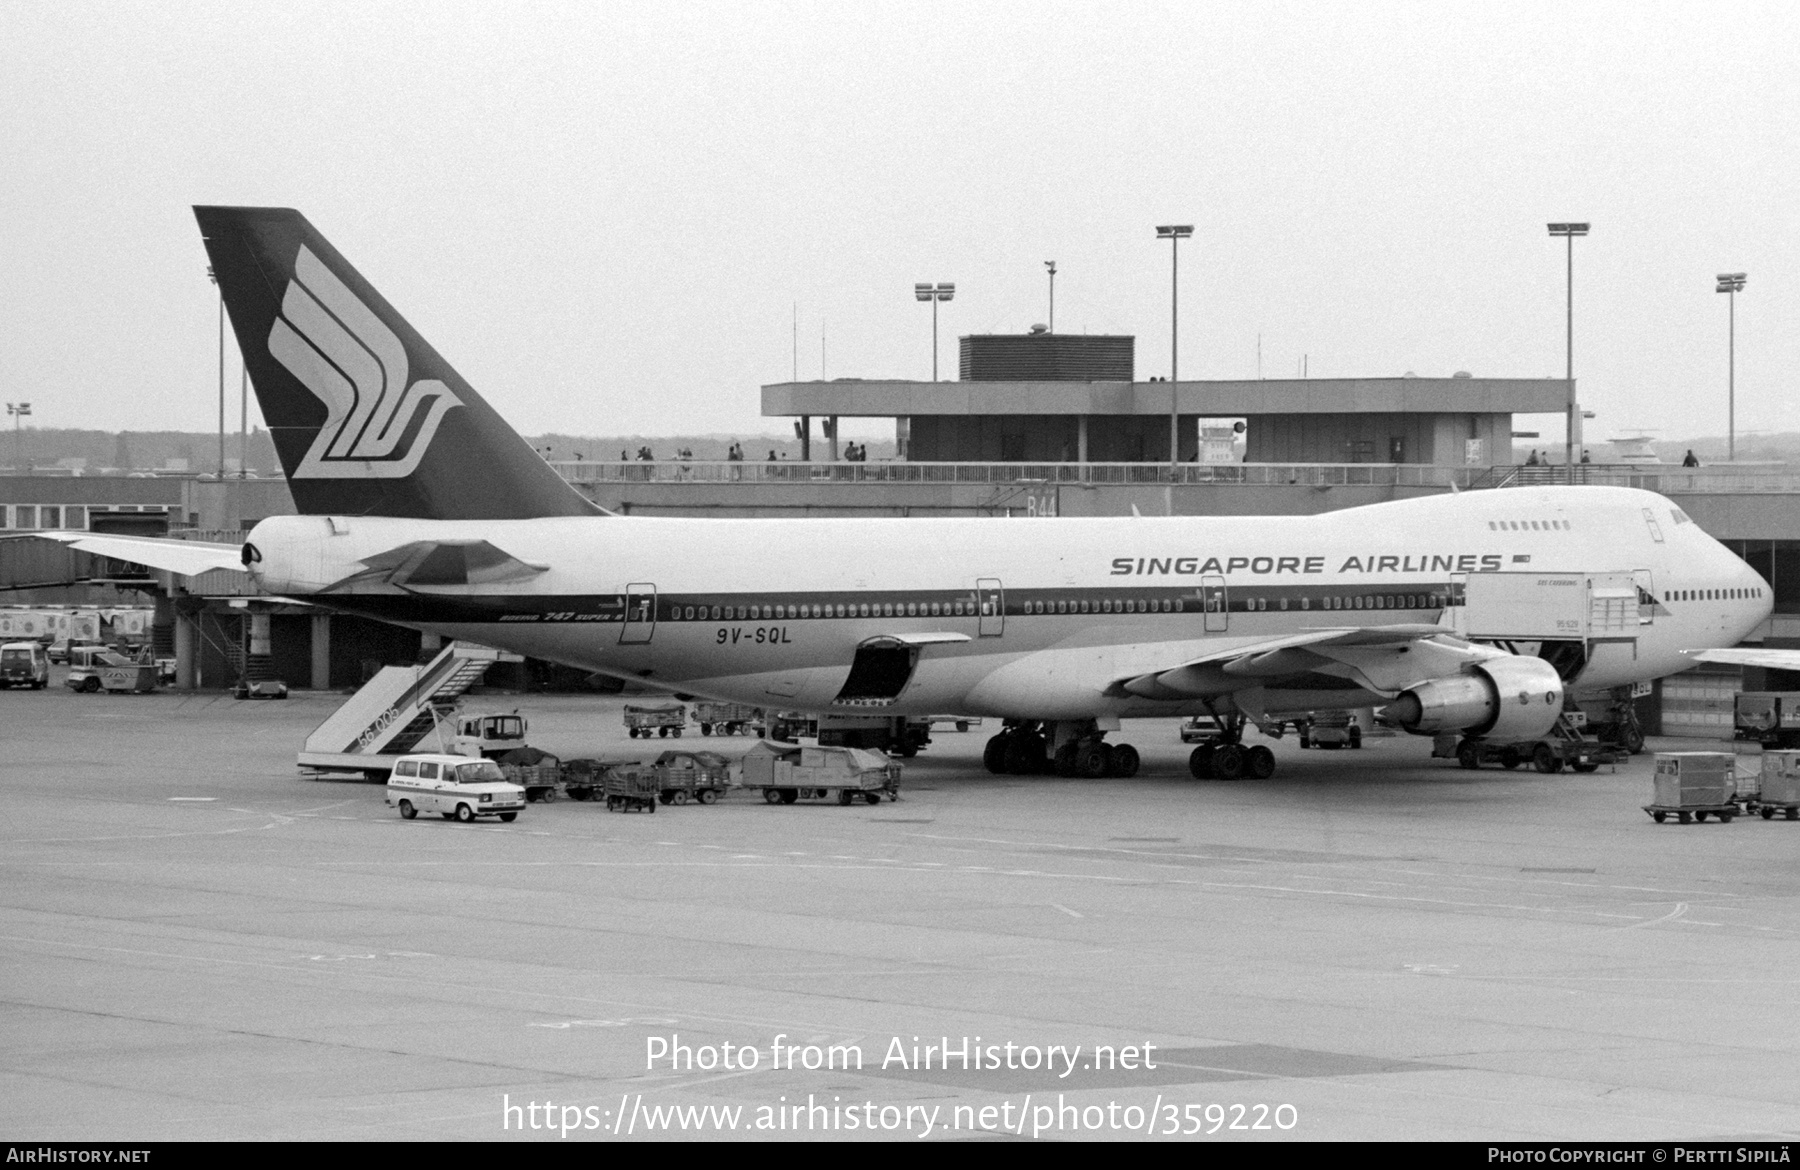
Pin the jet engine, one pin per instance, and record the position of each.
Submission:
(1510, 697)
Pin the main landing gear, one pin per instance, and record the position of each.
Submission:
(1028, 748)
(1224, 757)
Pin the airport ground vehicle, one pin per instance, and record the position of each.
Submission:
(698, 776)
(898, 735)
(631, 787)
(268, 688)
(582, 778)
(1693, 786)
(455, 787)
(393, 712)
(1771, 718)
(1329, 729)
(726, 718)
(87, 665)
(489, 736)
(785, 775)
(24, 664)
(658, 721)
(537, 772)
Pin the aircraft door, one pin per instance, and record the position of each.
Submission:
(990, 604)
(1647, 602)
(1216, 603)
(640, 614)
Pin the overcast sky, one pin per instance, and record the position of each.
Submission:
(604, 215)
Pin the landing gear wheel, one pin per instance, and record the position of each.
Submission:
(772, 795)
(1025, 754)
(1091, 760)
(1122, 761)
(1544, 760)
(1634, 739)
(1228, 761)
(1200, 762)
(993, 756)
(1065, 759)
(1259, 762)
(1510, 758)
(409, 812)
(464, 813)
(1468, 754)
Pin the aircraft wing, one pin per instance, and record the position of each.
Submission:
(187, 557)
(1341, 651)
(1749, 656)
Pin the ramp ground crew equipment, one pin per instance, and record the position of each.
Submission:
(394, 712)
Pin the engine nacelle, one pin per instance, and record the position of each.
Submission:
(1513, 697)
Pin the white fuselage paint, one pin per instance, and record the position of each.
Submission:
(1038, 665)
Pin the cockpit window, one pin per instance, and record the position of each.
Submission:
(1655, 528)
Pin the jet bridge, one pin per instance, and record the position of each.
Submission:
(1570, 620)
(393, 712)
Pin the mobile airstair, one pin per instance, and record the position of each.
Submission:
(394, 712)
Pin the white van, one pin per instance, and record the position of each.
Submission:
(455, 787)
(24, 664)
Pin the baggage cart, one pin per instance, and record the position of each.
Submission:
(786, 775)
(684, 776)
(582, 778)
(538, 780)
(726, 718)
(1780, 792)
(655, 721)
(1691, 786)
(630, 787)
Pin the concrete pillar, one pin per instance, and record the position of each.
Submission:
(259, 664)
(1081, 442)
(187, 653)
(321, 652)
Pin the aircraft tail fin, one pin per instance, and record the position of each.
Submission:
(367, 418)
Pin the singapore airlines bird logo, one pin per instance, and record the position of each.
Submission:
(376, 423)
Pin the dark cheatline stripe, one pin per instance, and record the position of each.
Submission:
(1333, 601)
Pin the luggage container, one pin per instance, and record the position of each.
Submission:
(787, 774)
(631, 787)
(698, 776)
(654, 721)
(1780, 785)
(726, 718)
(1694, 785)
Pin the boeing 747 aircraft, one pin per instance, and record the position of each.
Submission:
(420, 506)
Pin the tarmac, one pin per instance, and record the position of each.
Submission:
(198, 943)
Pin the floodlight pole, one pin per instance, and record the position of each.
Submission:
(1174, 233)
(1051, 265)
(1573, 436)
(1731, 283)
(942, 292)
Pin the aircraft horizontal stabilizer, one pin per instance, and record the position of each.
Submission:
(439, 563)
(1749, 656)
(186, 557)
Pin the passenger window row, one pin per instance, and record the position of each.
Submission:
(1739, 594)
(1529, 525)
